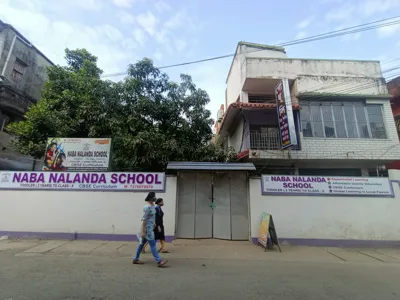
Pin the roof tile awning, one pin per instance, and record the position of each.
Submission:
(210, 166)
(256, 105)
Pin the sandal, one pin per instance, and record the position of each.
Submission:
(162, 263)
(163, 251)
(137, 262)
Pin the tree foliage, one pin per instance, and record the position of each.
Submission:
(151, 119)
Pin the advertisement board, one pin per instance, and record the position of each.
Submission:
(77, 154)
(83, 181)
(286, 123)
(263, 230)
(315, 185)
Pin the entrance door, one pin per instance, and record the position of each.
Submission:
(194, 205)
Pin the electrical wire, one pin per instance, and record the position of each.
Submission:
(317, 37)
(331, 34)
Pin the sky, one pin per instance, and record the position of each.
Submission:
(120, 32)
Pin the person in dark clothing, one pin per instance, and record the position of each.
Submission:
(159, 232)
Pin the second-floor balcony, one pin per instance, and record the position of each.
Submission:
(267, 139)
(12, 102)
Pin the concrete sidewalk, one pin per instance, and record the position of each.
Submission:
(203, 249)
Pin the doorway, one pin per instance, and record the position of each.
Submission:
(213, 205)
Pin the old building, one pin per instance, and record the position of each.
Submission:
(340, 110)
(22, 75)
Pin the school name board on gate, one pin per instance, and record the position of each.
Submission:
(313, 185)
(136, 182)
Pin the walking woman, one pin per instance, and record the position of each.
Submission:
(147, 232)
(159, 232)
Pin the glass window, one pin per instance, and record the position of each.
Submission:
(329, 126)
(376, 123)
(339, 121)
(342, 120)
(316, 120)
(361, 120)
(350, 121)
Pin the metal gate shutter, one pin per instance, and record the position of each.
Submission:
(239, 206)
(222, 209)
(186, 205)
(203, 216)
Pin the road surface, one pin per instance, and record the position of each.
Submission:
(51, 277)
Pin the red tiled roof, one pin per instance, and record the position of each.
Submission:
(242, 154)
(256, 105)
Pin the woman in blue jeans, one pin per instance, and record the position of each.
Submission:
(146, 234)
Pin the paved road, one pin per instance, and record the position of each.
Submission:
(53, 277)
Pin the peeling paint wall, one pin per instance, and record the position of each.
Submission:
(34, 76)
(236, 135)
(238, 73)
(291, 68)
(341, 85)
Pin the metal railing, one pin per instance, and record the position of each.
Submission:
(265, 140)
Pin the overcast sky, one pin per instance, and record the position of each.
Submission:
(120, 32)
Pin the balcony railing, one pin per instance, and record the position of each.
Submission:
(265, 140)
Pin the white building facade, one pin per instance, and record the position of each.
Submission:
(344, 123)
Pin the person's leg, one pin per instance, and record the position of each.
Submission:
(154, 251)
(139, 249)
(162, 242)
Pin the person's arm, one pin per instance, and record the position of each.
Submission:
(158, 218)
(144, 221)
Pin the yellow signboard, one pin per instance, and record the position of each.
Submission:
(263, 230)
(267, 230)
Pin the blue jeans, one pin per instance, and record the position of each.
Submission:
(153, 248)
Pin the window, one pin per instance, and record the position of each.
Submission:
(374, 173)
(342, 120)
(262, 99)
(18, 70)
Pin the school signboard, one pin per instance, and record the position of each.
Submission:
(287, 128)
(77, 154)
(83, 181)
(327, 185)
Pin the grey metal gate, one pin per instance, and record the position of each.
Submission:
(213, 205)
(194, 205)
(221, 207)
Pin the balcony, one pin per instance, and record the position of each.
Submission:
(13, 103)
(265, 140)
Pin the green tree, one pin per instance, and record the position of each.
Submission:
(151, 119)
(72, 105)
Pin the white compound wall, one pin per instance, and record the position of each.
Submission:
(82, 215)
